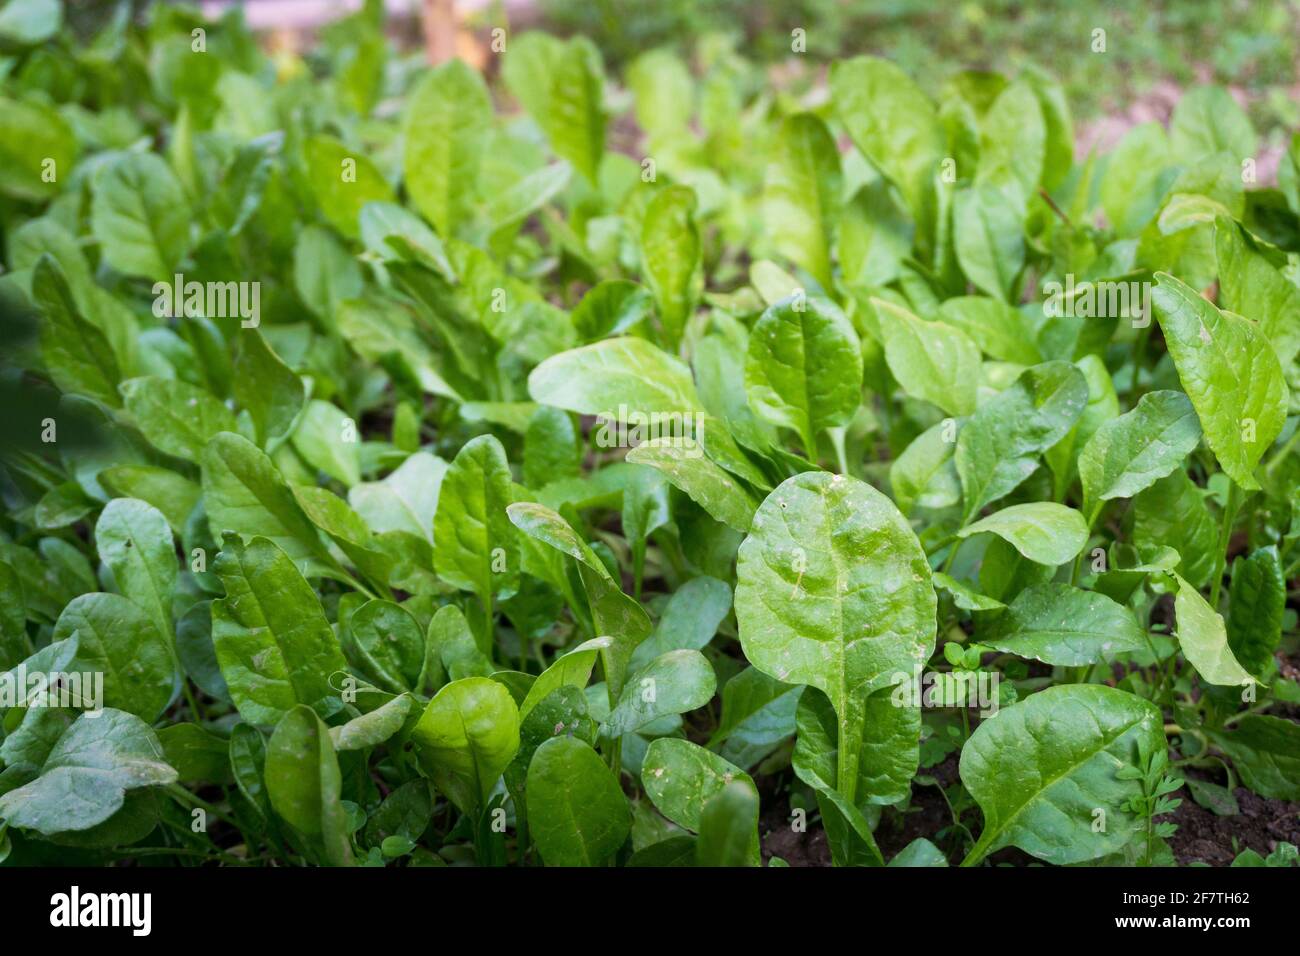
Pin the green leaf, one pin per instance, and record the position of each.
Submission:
(86, 777)
(999, 329)
(801, 195)
(1042, 531)
(673, 683)
(931, 360)
(474, 543)
(1064, 625)
(729, 828)
(1266, 752)
(572, 669)
(886, 756)
(998, 447)
(466, 738)
(118, 639)
(305, 785)
(406, 500)
(390, 644)
(833, 590)
(964, 596)
(892, 122)
(275, 647)
(553, 447)
(614, 614)
(988, 240)
(1013, 143)
(924, 474)
(75, 350)
(803, 369)
(1251, 285)
(176, 417)
(597, 379)
(1229, 371)
(446, 122)
(1041, 768)
(670, 258)
(266, 387)
(327, 438)
(374, 728)
(576, 114)
(135, 543)
(343, 180)
(1256, 607)
(450, 646)
(243, 492)
(576, 810)
(1131, 453)
(31, 136)
(1208, 120)
(683, 462)
(1173, 513)
(681, 777)
(172, 494)
(140, 216)
(1204, 639)
(198, 755)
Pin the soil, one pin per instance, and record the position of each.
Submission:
(1205, 837)
(1202, 836)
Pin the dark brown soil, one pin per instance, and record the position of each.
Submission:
(1206, 837)
(1202, 836)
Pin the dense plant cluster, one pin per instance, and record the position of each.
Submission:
(399, 473)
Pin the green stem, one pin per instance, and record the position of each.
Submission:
(1230, 508)
(952, 555)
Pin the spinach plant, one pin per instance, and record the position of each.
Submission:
(403, 469)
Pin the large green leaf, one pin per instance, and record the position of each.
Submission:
(933, 361)
(1043, 768)
(684, 464)
(244, 493)
(670, 257)
(576, 810)
(118, 639)
(892, 122)
(474, 545)
(998, 447)
(135, 543)
(305, 785)
(86, 776)
(1229, 371)
(1256, 607)
(803, 369)
(447, 119)
(1266, 752)
(1203, 638)
(1061, 624)
(140, 216)
(275, 647)
(75, 350)
(681, 777)
(672, 683)
(1042, 531)
(177, 418)
(465, 739)
(801, 194)
(833, 590)
(1130, 453)
(987, 235)
(597, 379)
